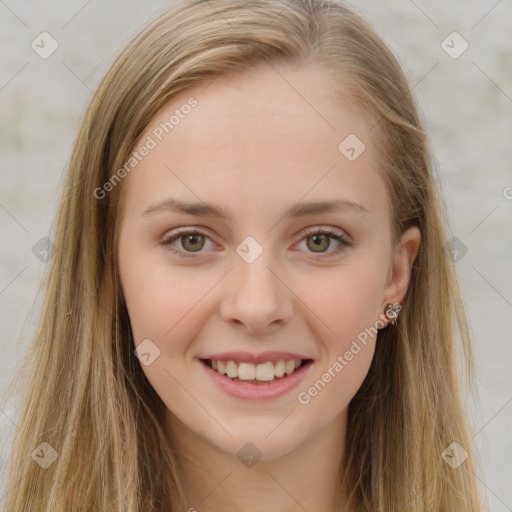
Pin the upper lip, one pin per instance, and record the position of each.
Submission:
(247, 357)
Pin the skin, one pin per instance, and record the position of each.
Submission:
(255, 145)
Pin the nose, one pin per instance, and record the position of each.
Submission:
(256, 296)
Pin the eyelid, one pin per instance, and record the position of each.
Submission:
(335, 233)
(312, 230)
(177, 234)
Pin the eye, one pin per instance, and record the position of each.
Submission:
(318, 238)
(192, 241)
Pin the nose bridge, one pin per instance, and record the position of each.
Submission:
(253, 276)
(257, 297)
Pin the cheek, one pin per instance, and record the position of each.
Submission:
(163, 303)
(163, 306)
(348, 305)
(347, 300)
(142, 295)
(348, 354)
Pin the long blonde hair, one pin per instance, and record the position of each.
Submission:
(86, 395)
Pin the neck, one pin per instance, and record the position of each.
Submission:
(306, 478)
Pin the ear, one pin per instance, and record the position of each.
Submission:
(400, 273)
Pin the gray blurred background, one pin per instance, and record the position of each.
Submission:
(465, 95)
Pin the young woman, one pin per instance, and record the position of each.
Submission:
(250, 306)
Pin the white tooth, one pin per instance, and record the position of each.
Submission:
(246, 371)
(265, 371)
(290, 366)
(280, 368)
(231, 369)
(297, 363)
(214, 364)
(221, 367)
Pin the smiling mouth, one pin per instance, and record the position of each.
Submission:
(262, 373)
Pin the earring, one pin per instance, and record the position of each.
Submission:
(392, 311)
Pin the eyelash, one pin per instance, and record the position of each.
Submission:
(166, 242)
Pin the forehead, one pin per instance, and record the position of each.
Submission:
(256, 140)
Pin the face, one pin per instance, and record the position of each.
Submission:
(252, 282)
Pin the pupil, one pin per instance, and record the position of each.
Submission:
(316, 239)
(193, 239)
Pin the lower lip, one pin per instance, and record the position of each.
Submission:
(248, 391)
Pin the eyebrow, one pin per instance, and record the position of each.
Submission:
(199, 209)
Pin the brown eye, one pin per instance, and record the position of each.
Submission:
(320, 242)
(191, 242)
